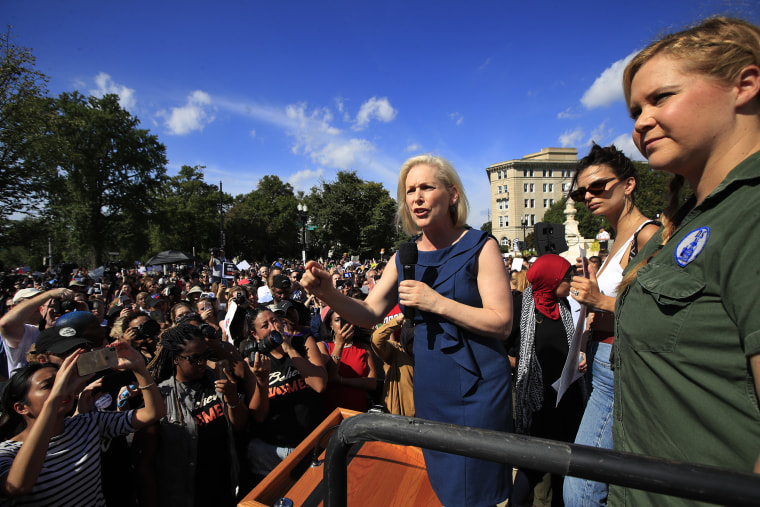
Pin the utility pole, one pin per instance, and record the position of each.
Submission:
(221, 216)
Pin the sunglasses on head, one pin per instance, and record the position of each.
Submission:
(595, 188)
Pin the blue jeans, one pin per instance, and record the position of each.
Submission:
(596, 426)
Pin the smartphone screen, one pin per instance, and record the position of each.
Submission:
(97, 360)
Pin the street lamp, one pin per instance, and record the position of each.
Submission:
(303, 211)
(524, 224)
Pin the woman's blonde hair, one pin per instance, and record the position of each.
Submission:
(522, 279)
(448, 176)
(719, 48)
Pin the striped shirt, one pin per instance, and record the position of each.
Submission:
(71, 472)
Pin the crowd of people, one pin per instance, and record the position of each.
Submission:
(188, 387)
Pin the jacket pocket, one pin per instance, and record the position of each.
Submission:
(673, 291)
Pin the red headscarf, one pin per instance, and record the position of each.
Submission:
(544, 276)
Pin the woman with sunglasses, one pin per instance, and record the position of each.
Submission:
(607, 181)
(195, 456)
(546, 330)
(687, 353)
(295, 380)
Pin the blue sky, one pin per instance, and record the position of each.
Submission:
(303, 89)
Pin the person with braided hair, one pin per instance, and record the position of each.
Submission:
(195, 456)
(687, 323)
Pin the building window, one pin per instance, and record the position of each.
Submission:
(546, 203)
(532, 203)
(527, 172)
(551, 202)
(547, 173)
(501, 204)
(501, 221)
(532, 187)
(545, 187)
(505, 189)
(504, 241)
(551, 187)
(533, 220)
(525, 187)
(527, 202)
(506, 221)
(565, 187)
(506, 203)
(499, 189)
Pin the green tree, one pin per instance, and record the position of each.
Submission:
(487, 227)
(188, 213)
(25, 114)
(25, 243)
(352, 215)
(263, 223)
(110, 173)
(652, 192)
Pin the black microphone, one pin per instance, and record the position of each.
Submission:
(407, 256)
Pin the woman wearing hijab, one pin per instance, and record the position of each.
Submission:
(546, 329)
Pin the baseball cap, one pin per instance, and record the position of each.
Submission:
(155, 299)
(25, 294)
(282, 306)
(59, 340)
(281, 282)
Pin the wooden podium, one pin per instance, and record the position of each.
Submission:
(379, 474)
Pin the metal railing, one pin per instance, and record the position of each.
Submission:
(696, 482)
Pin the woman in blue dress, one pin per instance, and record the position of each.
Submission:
(463, 312)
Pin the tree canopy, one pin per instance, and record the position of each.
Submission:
(109, 175)
(25, 113)
(352, 215)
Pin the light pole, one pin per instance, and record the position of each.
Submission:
(303, 211)
(524, 224)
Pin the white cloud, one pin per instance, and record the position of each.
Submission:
(106, 85)
(567, 114)
(607, 88)
(253, 133)
(624, 142)
(458, 118)
(412, 148)
(194, 115)
(378, 109)
(323, 143)
(571, 137)
(316, 138)
(304, 180)
(485, 64)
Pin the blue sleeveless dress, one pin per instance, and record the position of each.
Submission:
(460, 377)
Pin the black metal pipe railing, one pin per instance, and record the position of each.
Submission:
(696, 482)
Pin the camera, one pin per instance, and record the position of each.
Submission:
(148, 329)
(265, 346)
(210, 332)
(64, 306)
(241, 300)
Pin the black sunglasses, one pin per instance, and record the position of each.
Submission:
(595, 188)
(196, 359)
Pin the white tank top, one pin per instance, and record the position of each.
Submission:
(611, 271)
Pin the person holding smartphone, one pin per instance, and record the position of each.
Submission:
(194, 447)
(43, 447)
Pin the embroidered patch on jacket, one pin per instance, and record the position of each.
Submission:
(691, 246)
